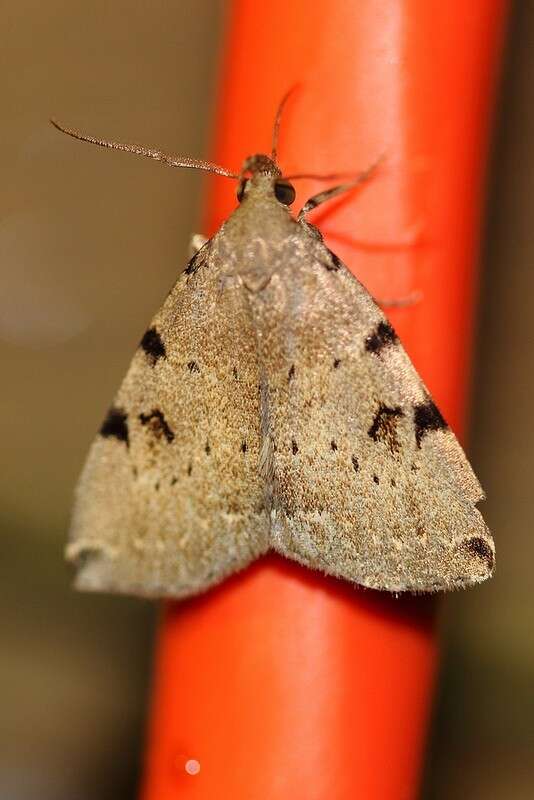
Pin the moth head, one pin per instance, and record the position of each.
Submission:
(260, 175)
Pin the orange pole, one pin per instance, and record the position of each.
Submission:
(282, 684)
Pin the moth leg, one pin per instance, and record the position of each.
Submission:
(197, 243)
(328, 194)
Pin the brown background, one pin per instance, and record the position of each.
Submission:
(90, 242)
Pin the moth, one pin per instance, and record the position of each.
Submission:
(270, 405)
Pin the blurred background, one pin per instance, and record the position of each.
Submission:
(80, 276)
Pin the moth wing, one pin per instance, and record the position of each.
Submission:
(369, 482)
(170, 499)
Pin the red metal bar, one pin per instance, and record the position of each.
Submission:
(281, 683)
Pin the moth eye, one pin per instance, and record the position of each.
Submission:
(284, 192)
(241, 189)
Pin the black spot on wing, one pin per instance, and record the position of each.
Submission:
(355, 463)
(480, 548)
(191, 267)
(382, 337)
(157, 424)
(116, 425)
(195, 262)
(192, 366)
(333, 445)
(313, 230)
(291, 373)
(244, 447)
(294, 447)
(427, 417)
(337, 362)
(153, 346)
(334, 264)
(384, 426)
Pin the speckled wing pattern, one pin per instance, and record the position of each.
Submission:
(369, 483)
(170, 500)
(271, 405)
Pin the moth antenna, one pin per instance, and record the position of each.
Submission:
(277, 120)
(167, 158)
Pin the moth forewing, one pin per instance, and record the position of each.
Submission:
(170, 500)
(370, 483)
